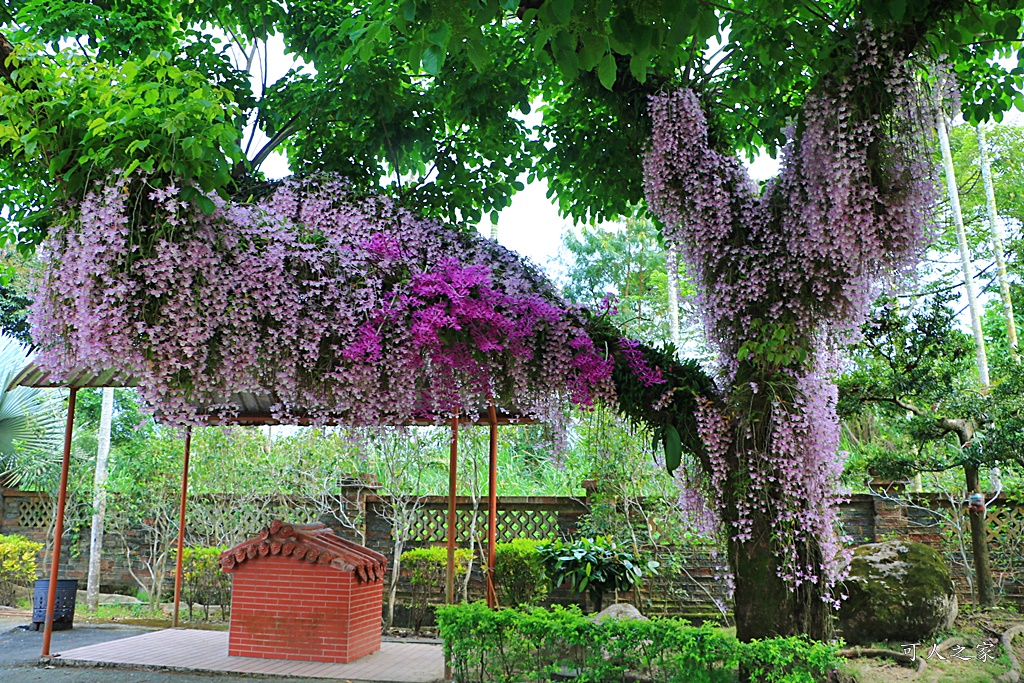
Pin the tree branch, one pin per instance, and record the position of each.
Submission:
(6, 51)
(964, 428)
(283, 133)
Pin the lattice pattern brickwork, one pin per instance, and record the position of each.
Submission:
(34, 513)
(249, 520)
(1004, 523)
(430, 525)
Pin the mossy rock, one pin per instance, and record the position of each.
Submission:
(899, 591)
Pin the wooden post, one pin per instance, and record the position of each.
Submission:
(181, 528)
(492, 505)
(453, 464)
(58, 528)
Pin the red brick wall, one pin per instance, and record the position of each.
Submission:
(283, 608)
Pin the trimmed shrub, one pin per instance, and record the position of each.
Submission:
(426, 568)
(17, 565)
(519, 573)
(509, 645)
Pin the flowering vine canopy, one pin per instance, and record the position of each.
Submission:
(341, 306)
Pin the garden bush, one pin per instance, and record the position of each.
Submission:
(17, 565)
(202, 581)
(508, 645)
(426, 568)
(519, 573)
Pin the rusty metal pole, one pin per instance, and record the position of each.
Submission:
(453, 464)
(449, 577)
(58, 528)
(492, 505)
(181, 528)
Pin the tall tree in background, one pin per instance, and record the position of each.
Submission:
(995, 225)
(626, 264)
(966, 263)
(99, 499)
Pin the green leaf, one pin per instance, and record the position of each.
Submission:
(440, 35)
(897, 9)
(1010, 29)
(433, 60)
(206, 204)
(594, 47)
(680, 27)
(131, 167)
(561, 9)
(409, 10)
(707, 23)
(638, 67)
(477, 53)
(607, 70)
(673, 448)
(564, 50)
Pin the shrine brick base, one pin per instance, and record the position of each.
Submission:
(285, 605)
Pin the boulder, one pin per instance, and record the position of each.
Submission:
(109, 599)
(899, 591)
(619, 610)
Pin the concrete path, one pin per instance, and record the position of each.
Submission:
(207, 651)
(19, 659)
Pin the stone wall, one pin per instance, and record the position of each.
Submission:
(29, 514)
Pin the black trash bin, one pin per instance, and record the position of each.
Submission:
(63, 610)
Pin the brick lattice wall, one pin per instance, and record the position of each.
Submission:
(690, 592)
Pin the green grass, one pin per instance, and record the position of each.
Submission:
(120, 613)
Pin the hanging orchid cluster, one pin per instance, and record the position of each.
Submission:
(342, 307)
(787, 272)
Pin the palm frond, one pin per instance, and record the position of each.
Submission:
(30, 418)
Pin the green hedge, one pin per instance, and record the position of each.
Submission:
(17, 565)
(519, 573)
(524, 646)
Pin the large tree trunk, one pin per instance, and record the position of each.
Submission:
(764, 605)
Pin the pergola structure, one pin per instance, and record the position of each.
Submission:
(255, 410)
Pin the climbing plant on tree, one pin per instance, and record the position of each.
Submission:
(442, 131)
(785, 274)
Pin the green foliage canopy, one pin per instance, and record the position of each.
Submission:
(427, 97)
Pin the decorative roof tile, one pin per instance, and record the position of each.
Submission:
(311, 543)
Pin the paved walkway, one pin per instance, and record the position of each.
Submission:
(206, 651)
